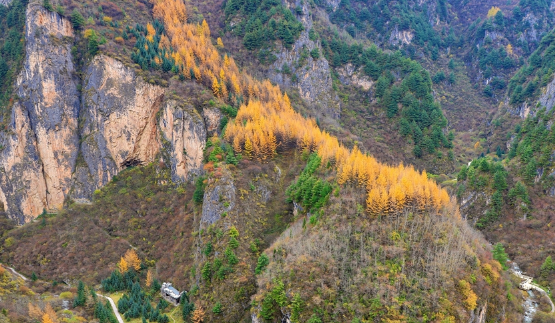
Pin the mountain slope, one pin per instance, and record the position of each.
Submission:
(156, 104)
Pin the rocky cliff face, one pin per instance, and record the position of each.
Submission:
(40, 148)
(184, 132)
(119, 128)
(61, 143)
(5, 2)
(314, 78)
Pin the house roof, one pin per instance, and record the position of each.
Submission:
(169, 289)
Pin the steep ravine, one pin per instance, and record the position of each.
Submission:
(62, 143)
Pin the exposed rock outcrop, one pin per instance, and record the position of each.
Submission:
(219, 199)
(547, 99)
(5, 2)
(185, 134)
(400, 37)
(119, 127)
(212, 118)
(348, 74)
(314, 80)
(41, 144)
(62, 142)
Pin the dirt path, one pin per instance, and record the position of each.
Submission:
(114, 307)
(15, 273)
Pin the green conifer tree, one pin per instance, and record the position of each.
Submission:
(77, 19)
(47, 5)
(263, 261)
(81, 298)
(500, 255)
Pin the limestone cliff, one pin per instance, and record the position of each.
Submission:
(119, 128)
(314, 78)
(64, 143)
(184, 131)
(42, 142)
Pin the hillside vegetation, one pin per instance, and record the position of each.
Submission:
(287, 220)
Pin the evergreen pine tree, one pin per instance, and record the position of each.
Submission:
(187, 308)
(77, 19)
(547, 267)
(263, 261)
(296, 308)
(206, 271)
(93, 45)
(500, 180)
(81, 298)
(500, 255)
(47, 5)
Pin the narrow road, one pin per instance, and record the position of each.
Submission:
(15, 272)
(114, 307)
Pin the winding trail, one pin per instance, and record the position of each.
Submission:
(15, 272)
(114, 307)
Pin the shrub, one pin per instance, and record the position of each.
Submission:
(469, 297)
(263, 261)
(9, 242)
(66, 295)
(198, 195)
(217, 309)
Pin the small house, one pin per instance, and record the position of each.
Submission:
(170, 294)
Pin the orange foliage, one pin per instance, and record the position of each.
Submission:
(267, 123)
(149, 278)
(132, 259)
(123, 266)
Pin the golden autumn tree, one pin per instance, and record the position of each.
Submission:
(123, 266)
(469, 297)
(51, 313)
(248, 148)
(149, 278)
(34, 311)
(509, 49)
(493, 11)
(198, 315)
(132, 259)
(220, 43)
(216, 88)
(150, 32)
(46, 319)
(373, 202)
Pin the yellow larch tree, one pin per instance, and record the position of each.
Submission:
(493, 11)
(46, 319)
(149, 278)
(247, 151)
(150, 32)
(220, 43)
(34, 311)
(237, 145)
(123, 266)
(132, 259)
(509, 49)
(216, 88)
